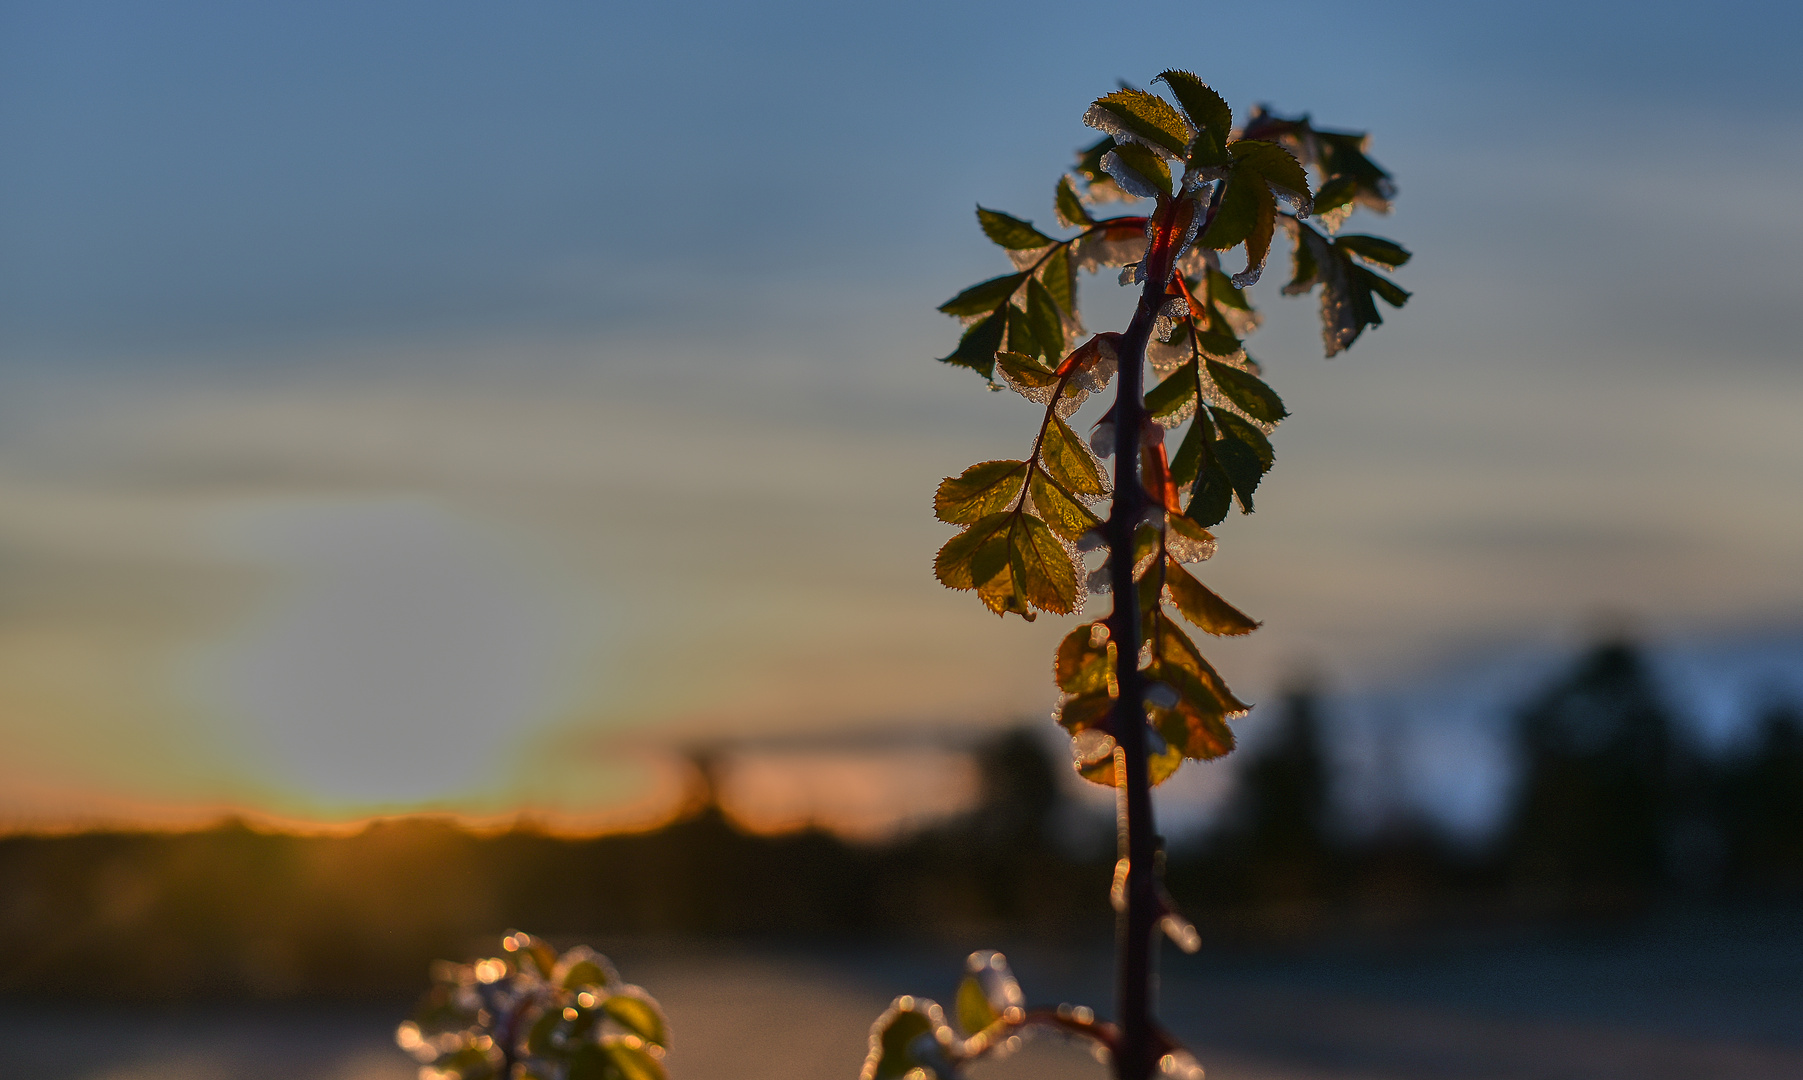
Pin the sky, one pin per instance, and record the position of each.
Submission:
(454, 406)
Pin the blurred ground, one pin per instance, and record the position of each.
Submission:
(1684, 999)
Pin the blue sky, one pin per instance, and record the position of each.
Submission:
(627, 314)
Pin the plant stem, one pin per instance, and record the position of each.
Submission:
(1135, 1055)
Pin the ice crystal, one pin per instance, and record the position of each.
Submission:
(1129, 180)
(1109, 247)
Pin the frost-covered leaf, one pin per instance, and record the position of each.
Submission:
(1195, 726)
(1374, 249)
(1248, 391)
(983, 297)
(1174, 398)
(1172, 647)
(952, 566)
(1186, 541)
(1070, 462)
(1084, 663)
(1258, 241)
(1138, 171)
(979, 491)
(1024, 371)
(1205, 108)
(1064, 512)
(1237, 213)
(1200, 604)
(1011, 232)
(1279, 168)
(1071, 212)
(1138, 117)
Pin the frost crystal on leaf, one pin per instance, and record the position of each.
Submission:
(1110, 247)
(1129, 180)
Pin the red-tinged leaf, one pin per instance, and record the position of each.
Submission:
(1087, 710)
(1085, 660)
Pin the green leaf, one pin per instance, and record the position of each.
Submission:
(1145, 117)
(953, 565)
(1090, 709)
(584, 973)
(1275, 165)
(1172, 647)
(890, 1057)
(1205, 108)
(1191, 452)
(1244, 454)
(1202, 606)
(1064, 456)
(974, 1011)
(1066, 516)
(628, 1062)
(1060, 280)
(1071, 210)
(1160, 766)
(986, 296)
(1021, 338)
(1138, 170)
(1023, 370)
(1043, 567)
(1308, 268)
(1248, 391)
(1042, 316)
(1392, 293)
(1084, 663)
(1237, 213)
(993, 568)
(1258, 241)
(977, 348)
(1089, 160)
(1174, 394)
(1011, 232)
(637, 1013)
(1196, 727)
(1376, 249)
(1336, 193)
(1224, 292)
(1213, 495)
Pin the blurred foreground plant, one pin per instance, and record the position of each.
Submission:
(1138, 698)
(531, 1014)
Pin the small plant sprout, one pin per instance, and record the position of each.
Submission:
(531, 1014)
(1137, 696)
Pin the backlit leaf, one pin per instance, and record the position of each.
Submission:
(1069, 461)
(1023, 370)
(974, 1011)
(1084, 663)
(1244, 453)
(1143, 118)
(1237, 213)
(1021, 336)
(979, 491)
(977, 348)
(637, 1013)
(630, 1062)
(1010, 232)
(1376, 249)
(1042, 315)
(1212, 496)
(1196, 726)
(994, 570)
(1138, 170)
(1060, 280)
(1191, 452)
(1063, 512)
(1071, 211)
(1043, 567)
(1392, 293)
(1258, 239)
(1172, 396)
(1090, 709)
(1160, 765)
(892, 1036)
(1276, 165)
(1200, 604)
(986, 296)
(952, 566)
(1205, 108)
(1248, 391)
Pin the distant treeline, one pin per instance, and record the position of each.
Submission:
(1617, 814)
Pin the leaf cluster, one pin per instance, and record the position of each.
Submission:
(532, 1014)
(1215, 187)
